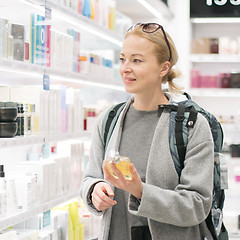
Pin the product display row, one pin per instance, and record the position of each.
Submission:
(67, 221)
(100, 11)
(47, 46)
(54, 112)
(222, 45)
(222, 80)
(40, 178)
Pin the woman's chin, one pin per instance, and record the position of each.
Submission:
(129, 89)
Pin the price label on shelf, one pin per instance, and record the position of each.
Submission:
(46, 82)
(46, 218)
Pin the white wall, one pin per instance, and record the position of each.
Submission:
(179, 29)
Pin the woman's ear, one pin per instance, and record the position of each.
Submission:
(164, 69)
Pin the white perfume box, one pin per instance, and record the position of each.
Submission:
(18, 33)
(4, 94)
(44, 171)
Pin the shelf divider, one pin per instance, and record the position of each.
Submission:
(213, 58)
(14, 219)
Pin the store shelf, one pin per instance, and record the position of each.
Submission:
(37, 2)
(77, 80)
(20, 141)
(43, 207)
(114, 41)
(215, 92)
(215, 20)
(234, 236)
(63, 137)
(25, 140)
(214, 58)
(12, 72)
(23, 73)
(17, 72)
(234, 160)
(231, 126)
(147, 9)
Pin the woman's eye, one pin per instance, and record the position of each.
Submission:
(121, 59)
(137, 60)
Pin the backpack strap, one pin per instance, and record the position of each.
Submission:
(181, 148)
(187, 96)
(182, 117)
(192, 117)
(109, 122)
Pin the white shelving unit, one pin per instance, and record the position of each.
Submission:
(13, 72)
(215, 63)
(31, 74)
(220, 101)
(93, 33)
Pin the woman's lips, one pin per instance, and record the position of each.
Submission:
(128, 79)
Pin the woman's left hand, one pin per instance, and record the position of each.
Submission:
(133, 186)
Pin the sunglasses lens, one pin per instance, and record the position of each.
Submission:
(133, 27)
(150, 28)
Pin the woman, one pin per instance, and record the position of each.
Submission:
(155, 204)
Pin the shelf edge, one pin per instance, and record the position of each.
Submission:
(24, 215)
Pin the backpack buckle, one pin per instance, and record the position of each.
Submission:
(112, 113)
(179, 118)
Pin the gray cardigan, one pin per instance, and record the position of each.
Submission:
(174, 209)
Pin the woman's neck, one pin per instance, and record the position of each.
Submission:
(149, 103)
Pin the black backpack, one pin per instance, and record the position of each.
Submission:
(183, 116)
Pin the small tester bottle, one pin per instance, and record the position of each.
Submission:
(121, 162)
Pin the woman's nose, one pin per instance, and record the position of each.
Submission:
(126, 66)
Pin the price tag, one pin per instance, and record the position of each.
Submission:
(46, 82)
(46, 218)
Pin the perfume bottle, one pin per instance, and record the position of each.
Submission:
(121, 162)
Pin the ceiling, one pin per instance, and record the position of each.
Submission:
(134, 10)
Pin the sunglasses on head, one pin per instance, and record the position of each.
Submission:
(151, 28)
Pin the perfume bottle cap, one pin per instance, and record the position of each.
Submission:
(116, 159)
(114, 156)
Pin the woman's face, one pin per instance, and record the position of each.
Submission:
(139, 68)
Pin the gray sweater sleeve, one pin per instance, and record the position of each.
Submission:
(187, 204)
(93, 173)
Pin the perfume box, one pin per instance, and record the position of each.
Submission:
(18, 33)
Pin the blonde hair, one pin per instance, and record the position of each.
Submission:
(162, 53)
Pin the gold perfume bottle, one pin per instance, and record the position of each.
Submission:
(121, 162)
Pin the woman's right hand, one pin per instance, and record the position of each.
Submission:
(101, 196)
